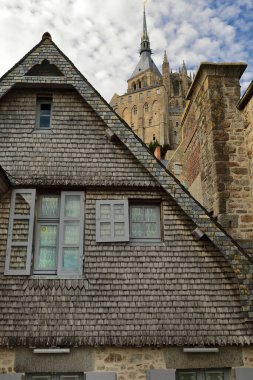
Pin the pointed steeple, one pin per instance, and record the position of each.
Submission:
(165, 58)
(145, 44)
(184, 69)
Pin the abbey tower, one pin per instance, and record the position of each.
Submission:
(154, 101)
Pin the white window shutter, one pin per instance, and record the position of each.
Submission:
(243, 373)
(112, 221)
(161, 374)
(70, 256)
(11, 376)
(20, 232)
(100, 376)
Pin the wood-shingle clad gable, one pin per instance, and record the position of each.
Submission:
(177, 291)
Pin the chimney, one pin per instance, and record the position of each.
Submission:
(157, 152)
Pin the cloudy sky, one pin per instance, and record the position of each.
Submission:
(102, 37)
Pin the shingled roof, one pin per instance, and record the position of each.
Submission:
(118, 306)
(4, 182)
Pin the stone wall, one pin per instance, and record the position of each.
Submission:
(213, 123)
(128, 363)
(7, 361)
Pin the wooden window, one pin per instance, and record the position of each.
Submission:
(145, 222)
(44, 113)
(112, 221)
(203, 374)
(58, 242)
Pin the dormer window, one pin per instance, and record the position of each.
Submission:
(44, 112)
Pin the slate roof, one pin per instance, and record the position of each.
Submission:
(178, 292)
(4, 181)
(145, 63)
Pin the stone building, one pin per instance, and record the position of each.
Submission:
(154, 101)
(216, 150)
(109, 268)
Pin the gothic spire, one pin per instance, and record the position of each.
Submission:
(145, 44)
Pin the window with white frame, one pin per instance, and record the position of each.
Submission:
(55, 245)
(118, 221)
(145, 222)
(202, 374)
(44, 112)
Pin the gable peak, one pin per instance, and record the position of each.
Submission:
(46, 35)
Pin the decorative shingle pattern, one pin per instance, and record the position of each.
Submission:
(180, 291)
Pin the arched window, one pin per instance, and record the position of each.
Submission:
(146, 107)
(176, 87)
(134, 110)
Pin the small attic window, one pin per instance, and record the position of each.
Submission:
(43, 112)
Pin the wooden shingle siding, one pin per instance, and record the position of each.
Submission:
(179, 291)
(130, 290)
(75, 152)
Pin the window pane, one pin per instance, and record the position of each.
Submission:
(50, 206)
(70, 258)
(118, 212)
(137, 230)
(44, 121)
(23, 204)
(137, 214)
(47, 246)
(214, 376)
(105, 230)
(119, 230)
(20, 230)
(151, 230)
(187, 376)
(72, 206)
(105, 211)
(71, 233)
(47, 258)
(45, 109)
(48, 235)
(150, 214)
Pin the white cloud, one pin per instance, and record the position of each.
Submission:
(102, 38)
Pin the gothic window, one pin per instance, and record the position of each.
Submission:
(134, 110)
(176, 87)
(146, 107)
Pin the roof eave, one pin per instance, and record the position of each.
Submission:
(246, 97)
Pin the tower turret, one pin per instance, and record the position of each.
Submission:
(184, 76)
(166, 73)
